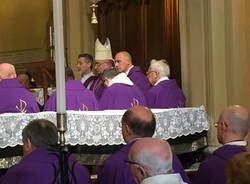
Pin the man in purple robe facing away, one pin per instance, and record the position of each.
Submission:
(78, 97)
(137, 122)
(164, 92)
(13, 96)
(232, 127)
(123, 63)
(40, 164)
(151, 162)
(103, 61)
(120, 93)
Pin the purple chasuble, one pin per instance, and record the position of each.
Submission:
(213, 169)
(114, 170)
(121, 96)
(15, 98)
(139, 79)
(77, 98)
(97, 87)
(37, 168)
(166, 94)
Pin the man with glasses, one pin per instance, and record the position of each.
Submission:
(137, 122)
(150, 161)
(123, 63)
(103, 61)
(232, 127)
(164, 92)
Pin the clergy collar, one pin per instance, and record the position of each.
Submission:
(86, 76)
(237, 143)
(122, 79)
(160, 80)
(127, 72)
(164, 178)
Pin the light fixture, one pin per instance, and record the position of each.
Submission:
(94, 7)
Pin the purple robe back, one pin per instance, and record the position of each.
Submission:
(37, 168)
(15, 98)
(166, 94)
(139, 79)
(114, 170)
(77, 98)
(213, 169)
(121, 96)
(97, 87)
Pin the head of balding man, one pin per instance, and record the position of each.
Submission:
(123, 61)
(150, 157)
(7, 71)
(138, 121)
(233, 124)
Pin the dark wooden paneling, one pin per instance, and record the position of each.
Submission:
(148, 29)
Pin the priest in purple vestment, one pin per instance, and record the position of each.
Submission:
(121, 93)
(137, 122)
(78, 97)
(151, 162)
(40, 165)
(232, 127)
(103, 61)
(164, 92)
(123, 63)
(85, 64)
(13, 96)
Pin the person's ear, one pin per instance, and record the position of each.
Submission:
(141, 173)
(27, 147)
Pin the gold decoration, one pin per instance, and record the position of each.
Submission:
(93, 17)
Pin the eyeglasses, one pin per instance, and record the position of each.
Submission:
(99, 64)
(129, 162)
(149, 72)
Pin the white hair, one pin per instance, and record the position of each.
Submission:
(153, 163)
(160, 66)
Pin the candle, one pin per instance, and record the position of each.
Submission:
(59, 56)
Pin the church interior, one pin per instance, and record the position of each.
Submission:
(205, 42)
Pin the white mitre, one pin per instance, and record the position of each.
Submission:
(103, 52)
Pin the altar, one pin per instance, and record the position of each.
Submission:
(103, 128)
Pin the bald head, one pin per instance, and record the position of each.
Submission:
(123, 61)
(7, 71)
(153, 154)
(237, 118)
(140, 121)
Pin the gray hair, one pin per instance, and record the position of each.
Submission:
(40, 132)
(238, 123)
(160, 66)
(153, 163)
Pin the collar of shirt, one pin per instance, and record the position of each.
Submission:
(85, 77)
(122, 79)
(160, 80)
(127, 72)
(237, 143)
(164, 178)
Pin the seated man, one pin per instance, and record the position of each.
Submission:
(103, 61)
(232, 127)
(164, 92)
(13, 96)
(137, 122)
(78, 97)
(150, 161)
(39, 164)
(121, 93)
(123, 63)
(84, 66)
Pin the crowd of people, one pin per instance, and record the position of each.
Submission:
(117, 84)
(108, 83)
